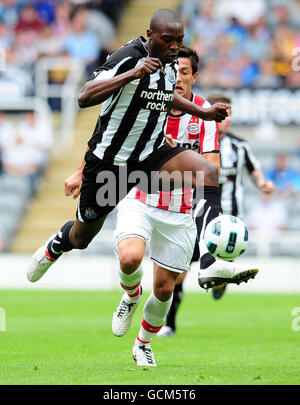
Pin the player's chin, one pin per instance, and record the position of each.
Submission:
(170, 58)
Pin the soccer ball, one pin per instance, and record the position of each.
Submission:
(226, 237)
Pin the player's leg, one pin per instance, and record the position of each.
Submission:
(214, 272)
(169, 328)
(171, 249)
(91, 214)
(72, 235)
(206, 207)
(155, 312)
(130, 253)
(132, 232)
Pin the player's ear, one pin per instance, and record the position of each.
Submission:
(149, 33)
(195, 75)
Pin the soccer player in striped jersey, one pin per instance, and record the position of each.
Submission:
(164, 219)
(136, 87)
(235, 155)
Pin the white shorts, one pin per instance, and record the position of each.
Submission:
(172, 235)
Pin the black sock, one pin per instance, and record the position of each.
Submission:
(177, 298)
(206, 207)
(61, 243)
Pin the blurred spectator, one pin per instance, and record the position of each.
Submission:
(6, 132)
(29, 20)
(25, 150)
(61, 25)
(6, 37)
(250, 43)
(48, 44)
(81, 43)
(268, 216)
(45, 10)
(32, 29)
(9, 12)
(294, 15)
(205, 25)
(267, 76)
(102, 26)
(15, 81)
(247, 14)
(26, 50)
(285, 177)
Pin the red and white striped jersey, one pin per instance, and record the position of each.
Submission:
(189, 132)
(192, 132)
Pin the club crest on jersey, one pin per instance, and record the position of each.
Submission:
(90, 213)
(171, 77)
(193, 128)
(170, 74)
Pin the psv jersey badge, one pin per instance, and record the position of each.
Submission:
(193, 128)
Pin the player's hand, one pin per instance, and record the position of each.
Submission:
(170, 140)
(267, 186)
(73, 184)
(148, 66)
(218, 112)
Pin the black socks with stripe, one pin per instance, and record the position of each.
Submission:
(206, 207)
(61, 243)
(177, 298)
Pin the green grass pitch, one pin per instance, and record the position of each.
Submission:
(64, 337)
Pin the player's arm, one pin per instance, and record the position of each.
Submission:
(73, 182)
(209, 144)
(266, 186)
(257, 175)
(97, 91)
(217, 112)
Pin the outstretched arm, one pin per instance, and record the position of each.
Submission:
(217, 112)
(96, 91)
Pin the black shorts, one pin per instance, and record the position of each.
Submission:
(104, 184)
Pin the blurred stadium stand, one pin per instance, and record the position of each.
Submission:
(246, 53)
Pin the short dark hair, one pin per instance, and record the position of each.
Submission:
(218, 98)
(186, 52)
(162, 17)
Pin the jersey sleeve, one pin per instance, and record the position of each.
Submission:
(209, 135)
(114, 69)
(251, 162)
(119, 61)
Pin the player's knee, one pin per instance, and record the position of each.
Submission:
(129, 261)
(163, 290)
(211, 175)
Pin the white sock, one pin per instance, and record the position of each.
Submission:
(155, 313)
(131, 283)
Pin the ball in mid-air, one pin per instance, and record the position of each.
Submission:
(226, 237)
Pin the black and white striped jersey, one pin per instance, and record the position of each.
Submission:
(236, 157)
(131, 123)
